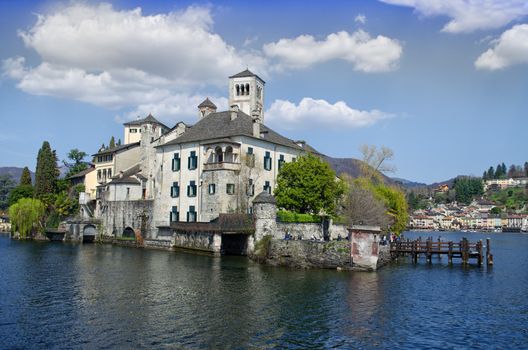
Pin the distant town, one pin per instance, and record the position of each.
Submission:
(500, 208)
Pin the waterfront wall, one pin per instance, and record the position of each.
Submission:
(203, 241)
(310, 231)
(118, 216)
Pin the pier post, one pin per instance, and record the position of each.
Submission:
(439, 248)
(450, 253)
(465, 252)
(489, 256)
(479, 250)
(429, 248)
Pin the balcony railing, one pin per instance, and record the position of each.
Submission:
(221, 166)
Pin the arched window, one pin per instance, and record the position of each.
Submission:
(247, 89)
(219, 155)
(229, 154)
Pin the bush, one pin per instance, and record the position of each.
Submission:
(262, 247)
(26, 216)
(288, 216)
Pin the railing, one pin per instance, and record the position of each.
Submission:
(222, 166)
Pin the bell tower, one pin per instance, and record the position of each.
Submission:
(246, 90)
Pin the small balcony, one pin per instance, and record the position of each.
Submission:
(221, 166)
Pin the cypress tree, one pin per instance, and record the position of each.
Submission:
(112, 142)
(47, 173)
(25, 178)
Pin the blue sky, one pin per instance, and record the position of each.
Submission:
(442, 83)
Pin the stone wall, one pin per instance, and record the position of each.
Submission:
(307, 254)
(202, 241)
(117, 216)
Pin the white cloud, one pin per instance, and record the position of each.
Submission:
(365, 53)
(511, 48)
(311, 112)
(123, 59)
(469, 15)
(360, 18)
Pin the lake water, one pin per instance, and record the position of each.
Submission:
(55, 295)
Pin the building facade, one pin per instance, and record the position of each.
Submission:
(194, 173)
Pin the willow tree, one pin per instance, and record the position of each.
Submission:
(27, 216)
(47, 173)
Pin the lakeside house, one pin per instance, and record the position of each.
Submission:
(189, 173)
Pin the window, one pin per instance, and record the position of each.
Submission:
(109, 173)
(250, 188)
(191, 214)
(250, 210)
(175, 190)
(104, 174)
(281, 161)
(267, 161)
(212, 188)
(133, 131)
(98, 174)
(192, 161)
(174, 214)
(230, 189)
(250, 157)
(191, 189)
(176, 162)
(267, 187)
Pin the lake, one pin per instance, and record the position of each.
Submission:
(55, 295)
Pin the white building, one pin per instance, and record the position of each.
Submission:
(194, 173)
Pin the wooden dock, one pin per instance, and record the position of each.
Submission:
(461, 250)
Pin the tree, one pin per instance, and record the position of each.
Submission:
(27, 216)
(374, 203)
(25, 178)
(375, 160)
(78, 164)
(118, 142)
(47, 173)
(467, 188)
(362, 207)
(491, 173)
(19, 192)
(503, 169)
(308, 186)
(112, 143)
(526, 169)
(6, 186)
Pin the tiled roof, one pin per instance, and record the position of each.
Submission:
(246, 73)
(207, 103)
(125, 180)
(82, 173)
(219, 125)
(148, 119)
(117, 149)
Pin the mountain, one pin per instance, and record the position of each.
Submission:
(408, 183)
(352, 167)
(14, 172)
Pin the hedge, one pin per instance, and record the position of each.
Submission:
(288, 216)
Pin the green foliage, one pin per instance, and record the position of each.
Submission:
(53, 220)
(64, 205)
(112, 143)
(25, 178)
(396, 206)
(496, 210)
(21, 191)
(47, 172)
(393, 200)
(308, 185)
(288, 216)
(511, 198)
(6, 186)
(417, 201)
(78, 165)
(26, 216)
(466, 188)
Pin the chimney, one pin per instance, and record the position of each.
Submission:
(255, 115)
(234, 112)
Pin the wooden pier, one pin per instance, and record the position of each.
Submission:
(463, 250)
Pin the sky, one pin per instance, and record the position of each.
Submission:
(443, 83)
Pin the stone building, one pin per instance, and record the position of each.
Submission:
(192, 173)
